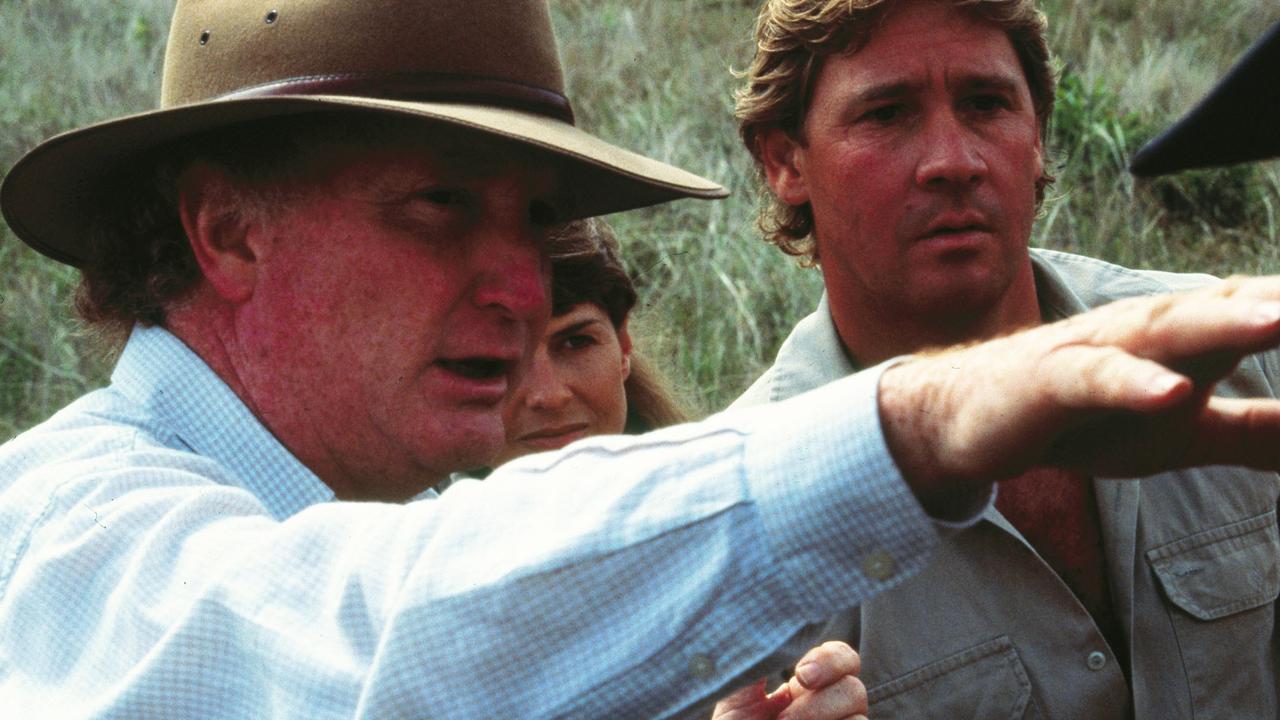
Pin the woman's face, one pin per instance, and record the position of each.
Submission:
(574, 387)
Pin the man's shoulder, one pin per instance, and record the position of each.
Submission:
(759, 392)
(1095, 282)
(101, 432)
(810, 356)
(89, 455)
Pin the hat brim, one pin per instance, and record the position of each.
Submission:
(49, 194)
(1238, 121)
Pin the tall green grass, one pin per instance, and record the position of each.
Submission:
(62, 64)
(1129, 67)
(655, 76)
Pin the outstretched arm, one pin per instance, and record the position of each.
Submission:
(1122, 391)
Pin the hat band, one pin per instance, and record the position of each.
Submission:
(428, 87)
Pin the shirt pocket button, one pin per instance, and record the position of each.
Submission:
(1096, 661)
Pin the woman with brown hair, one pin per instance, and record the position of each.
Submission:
(586, 377)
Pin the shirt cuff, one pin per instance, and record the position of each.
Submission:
(842, 522)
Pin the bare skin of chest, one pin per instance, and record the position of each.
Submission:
(1056, 511)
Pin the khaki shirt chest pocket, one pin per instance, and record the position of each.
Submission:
(1221, 585)
(987, 681)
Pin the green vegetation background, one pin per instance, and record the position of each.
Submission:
(655, 76)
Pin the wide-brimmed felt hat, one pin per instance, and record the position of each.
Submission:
(489, 65)
(1238, 121)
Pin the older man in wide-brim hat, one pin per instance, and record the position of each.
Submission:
(175, 216)
(326, 250)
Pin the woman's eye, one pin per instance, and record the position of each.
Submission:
(577, 341)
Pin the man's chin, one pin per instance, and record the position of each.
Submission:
(958, 304)
(467, 442)
(966, 290)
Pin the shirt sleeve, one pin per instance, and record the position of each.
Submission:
(623, 577)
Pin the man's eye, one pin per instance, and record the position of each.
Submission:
(545, 214)
(884, 114)
(443, 196)
(987, 103)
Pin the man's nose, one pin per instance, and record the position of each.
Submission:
(950, 155)
(514, 272)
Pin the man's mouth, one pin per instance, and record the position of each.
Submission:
(957, 224)
(477, 368)
(951, 231)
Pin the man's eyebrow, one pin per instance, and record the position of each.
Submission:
(969, 81)
(1001, 82)
(884, 91)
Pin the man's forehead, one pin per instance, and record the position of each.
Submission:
(957, 39)
(440, 151)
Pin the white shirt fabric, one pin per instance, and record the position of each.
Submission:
(162, 555)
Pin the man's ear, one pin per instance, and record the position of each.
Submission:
(624, 341)
(1039, 147)
(783, 159)
(223, 241)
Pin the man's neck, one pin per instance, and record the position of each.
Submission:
(871, 334)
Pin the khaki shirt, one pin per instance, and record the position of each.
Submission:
(988, 630)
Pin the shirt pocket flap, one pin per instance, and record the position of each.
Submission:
(985, 681)
(1222, 571)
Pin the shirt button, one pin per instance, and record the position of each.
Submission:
(879, 566)
(702, 666)
(1096, 660)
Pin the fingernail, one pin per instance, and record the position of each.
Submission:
(809, 673)
(1163, 383)
(1267, 313)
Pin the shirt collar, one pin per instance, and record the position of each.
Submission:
(1056, 297)
(160, 373)
(811, 356)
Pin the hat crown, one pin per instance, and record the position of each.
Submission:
(487, 65)
(220, 47)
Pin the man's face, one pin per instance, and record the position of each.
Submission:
(920, 158)
(396, 305)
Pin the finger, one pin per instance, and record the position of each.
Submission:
(1108, 378)
(782, 693)
(841, 699)
(1226, 317)
(1222, 431)
(751, 703)
(827, 663)
(1261, 288)
(1237, 431)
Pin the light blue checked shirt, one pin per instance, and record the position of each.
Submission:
(163, 556)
